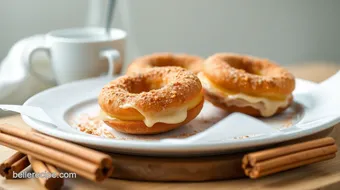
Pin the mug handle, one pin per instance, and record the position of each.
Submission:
(27, 58)
(111, 55)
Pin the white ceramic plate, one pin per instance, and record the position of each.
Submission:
(69, 101)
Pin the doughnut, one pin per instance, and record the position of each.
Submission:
(189, 62)
(251, 85)
(157, 100)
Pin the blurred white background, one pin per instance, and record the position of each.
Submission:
(288, 32)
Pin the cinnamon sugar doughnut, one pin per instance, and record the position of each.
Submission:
(240, 83)
(157, 100)
(189, 62)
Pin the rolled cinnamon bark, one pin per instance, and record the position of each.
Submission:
(16, 163)
(296, 157)
(252, 158)
(274, 160)
(88, 163)
(73, 149)
(40, 167)
(256, 173)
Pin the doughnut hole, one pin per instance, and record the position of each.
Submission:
(244, 65)
(146, 85)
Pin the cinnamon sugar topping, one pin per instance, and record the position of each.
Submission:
(175, 87)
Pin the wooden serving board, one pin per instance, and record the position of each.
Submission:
(177, 169)
(208, 168)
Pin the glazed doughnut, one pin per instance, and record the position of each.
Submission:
(189, 62)
(155, 101)
(240, 83)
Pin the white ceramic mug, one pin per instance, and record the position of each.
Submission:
(79, 53)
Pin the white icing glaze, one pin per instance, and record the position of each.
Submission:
(105, 117)
(266, 106)
(169, 116)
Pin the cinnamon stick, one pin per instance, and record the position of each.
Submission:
(90, 176)
(14, 164)
(88, 163)
(274, 160)
(51, 182)
(256, 173)
(76, 150)
(276, 152)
